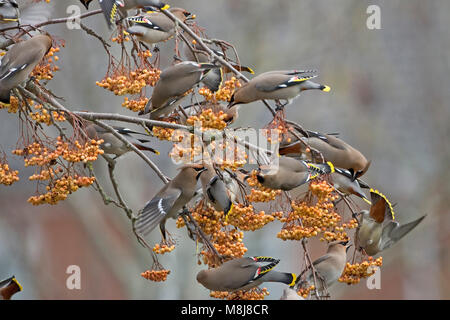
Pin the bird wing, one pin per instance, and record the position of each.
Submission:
(276, 81)
(9, 67)
(321, 259)
(393, 232)
(381, 208)
(110, 8)
(147, 22)
(208, 188)
(155, 211)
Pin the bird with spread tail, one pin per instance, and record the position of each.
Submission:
(9, 287)
(378, 229)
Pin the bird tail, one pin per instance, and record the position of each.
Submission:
(228, 210)
(321, 168)
(143, 147)
(292, 148)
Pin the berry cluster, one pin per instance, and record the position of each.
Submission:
(224, 93)
(163, 133)
(228, 154)
(253, 294)
(304, 292)
(7, 176)
(42, 115)
(135, 105)
(209, 119)
(155, 275)
(60, 189)
(246, 219)
(132, 82)
(259, 193)
(13, 106)
(308, 220)
(72, 152)
(353, 273)
(163, 248)
(45, 69)
(188, 149)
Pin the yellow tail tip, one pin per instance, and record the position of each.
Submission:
(294, 279)
(10, 20)
(18, 284)
(166, 6)
(157, 152)
(326, 89)
(126, 33)
(331, 166)
(250, 70)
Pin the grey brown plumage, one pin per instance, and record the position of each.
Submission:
(244, 274)
(290, 173)
(330, 266)
(221, 194)
(276, 85)
(156, 26)
(9, 11)
(111, 8)
(9, 287)
(20, 60)
(168, 202)
(333, 149)
(213, 78)
(378, 229)
(113, 145)
(343, 181)
(172, 85)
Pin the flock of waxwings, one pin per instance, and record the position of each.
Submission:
(377, 231)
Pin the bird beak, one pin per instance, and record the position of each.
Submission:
(325, 88)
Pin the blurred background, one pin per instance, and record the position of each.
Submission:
(390, 99)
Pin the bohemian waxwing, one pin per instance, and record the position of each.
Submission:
(113, 145)
(291, 173)
(111, 7)
(168, 202)
(172, 85)
(330, 266)
(279, 85)
(244, 274)
(378, 230)
(156, 26)
(20, 60)
(333, 149)
(220, 193)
